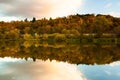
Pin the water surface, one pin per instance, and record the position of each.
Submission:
(43, 61)
(19, 69)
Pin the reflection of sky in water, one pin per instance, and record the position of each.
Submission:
(101, 72)
(17, 69)
(11, 69)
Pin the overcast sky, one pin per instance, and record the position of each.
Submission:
(21, 9)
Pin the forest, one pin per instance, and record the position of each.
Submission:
(62, 29)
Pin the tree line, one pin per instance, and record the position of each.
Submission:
(62, 28)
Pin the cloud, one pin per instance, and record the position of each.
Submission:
(6, 1)
(118, 3)
(39, 70)
(117, 63)
(39, 8)
(10, 18)
(8, 59)
(108, 5)
(108, 72)
(115, 14)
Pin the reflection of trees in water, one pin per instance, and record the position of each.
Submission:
(72, 53)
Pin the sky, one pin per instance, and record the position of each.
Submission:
(21, 9)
